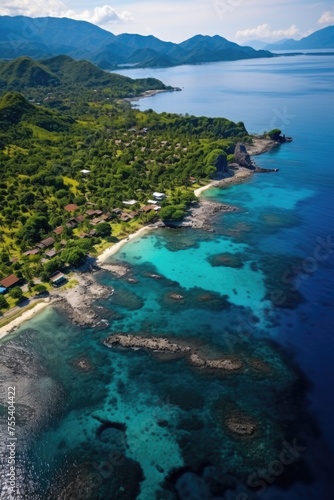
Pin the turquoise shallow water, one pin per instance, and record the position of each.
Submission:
(238, 300)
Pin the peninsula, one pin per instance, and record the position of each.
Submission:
(83, 171)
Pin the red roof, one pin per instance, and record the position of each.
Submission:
(48, 242)
(71, 207)
(34, 251)
(9, 281)
(59, 230)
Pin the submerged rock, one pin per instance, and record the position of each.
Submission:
(227, 259)
(176, 296)
(162, 345)
(241, 425)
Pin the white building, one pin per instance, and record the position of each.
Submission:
(159, 196)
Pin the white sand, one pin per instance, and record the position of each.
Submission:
(241, 173)
(200, 190)
(114, 248)
(5, 330)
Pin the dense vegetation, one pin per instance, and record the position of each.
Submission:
(94, 152)
(67, 75)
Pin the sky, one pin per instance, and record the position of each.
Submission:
(177, 20)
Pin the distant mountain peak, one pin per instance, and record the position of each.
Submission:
(320, 39)
(83, 40)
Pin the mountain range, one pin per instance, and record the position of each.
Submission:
(321, 39)
(45, 37)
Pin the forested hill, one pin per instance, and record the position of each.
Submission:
(15, 112)
(45, 37)
(63, 72)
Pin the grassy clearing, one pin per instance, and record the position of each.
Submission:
(43, 134)
(12, 150)
(72, 183)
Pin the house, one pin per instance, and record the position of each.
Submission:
(84, 171)
(71, 207)
(106, 217)
(10, 281)
(117, 211)
(147, 208)
(71, 223)
(130, 202)
(159, 196)
(80, 218)
(34, 251)
(58, 230)
(125, 217)
(95, 221)
(90, 212)
(48, 242)
(58, 279)
(51, 253)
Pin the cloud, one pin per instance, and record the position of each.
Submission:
(35, 8)
(31, 8)
(327, 17)
(103, 15)
(264, 31)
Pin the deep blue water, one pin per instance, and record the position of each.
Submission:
(250, 307)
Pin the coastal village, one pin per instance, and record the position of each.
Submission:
(23, 294)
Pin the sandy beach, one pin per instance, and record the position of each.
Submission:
(5, 330)
(231, 178)
(114, 248)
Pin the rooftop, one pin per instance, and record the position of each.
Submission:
(48, 242)
(130, 202)
(71, 207)
(9, 281)
(51, 253)
(156, 194)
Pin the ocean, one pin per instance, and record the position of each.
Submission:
(258, 288)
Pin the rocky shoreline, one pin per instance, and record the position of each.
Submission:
(200, 215)
(77, 302)
(163, 346)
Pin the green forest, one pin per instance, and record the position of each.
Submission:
(72, 152)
